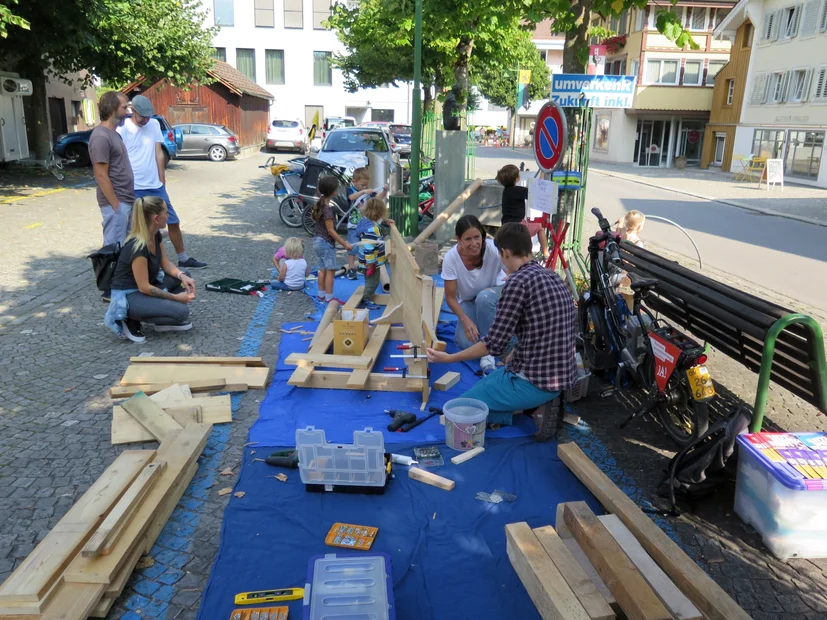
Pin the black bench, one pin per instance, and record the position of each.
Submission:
(749, 329)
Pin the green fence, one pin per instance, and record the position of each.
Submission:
(430, 124)
(406, 218)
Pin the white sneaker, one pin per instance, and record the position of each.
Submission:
(488, 364)
(174, 328)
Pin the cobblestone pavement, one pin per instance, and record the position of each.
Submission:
(799, 202)
(57, 362)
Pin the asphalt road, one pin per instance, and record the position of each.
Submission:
(770, 252)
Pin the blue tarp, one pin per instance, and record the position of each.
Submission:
(447, 548)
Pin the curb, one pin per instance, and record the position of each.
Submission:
(731, 203)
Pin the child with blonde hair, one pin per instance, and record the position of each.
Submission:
(371, 231)
(289, 267)
(358, 194)
(630, 226)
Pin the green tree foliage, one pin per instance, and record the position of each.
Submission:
(7, 18)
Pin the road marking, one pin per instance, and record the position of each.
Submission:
(35, 225)
(45, 192)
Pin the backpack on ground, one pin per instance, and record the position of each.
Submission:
(699, 468)
(104, 262)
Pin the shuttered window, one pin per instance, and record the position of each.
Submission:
(809, 23)
(820, 85)
(800, 84)
(790, 20)
(759, 89)
(769, 29)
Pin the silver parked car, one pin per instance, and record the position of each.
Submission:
(346, 147)
(215, 142)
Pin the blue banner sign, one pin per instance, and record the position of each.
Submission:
(601, 91)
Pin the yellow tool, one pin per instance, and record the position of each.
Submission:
(269, 596)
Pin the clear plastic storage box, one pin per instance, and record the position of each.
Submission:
(781, 490)
(349, 588)
(361, 463)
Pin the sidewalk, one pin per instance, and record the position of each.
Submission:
(796, 202)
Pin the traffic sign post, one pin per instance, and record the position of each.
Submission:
(550, 137)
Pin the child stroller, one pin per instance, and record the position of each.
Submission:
(314, 169)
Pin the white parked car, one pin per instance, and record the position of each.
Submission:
(346, 147)
(285, 134)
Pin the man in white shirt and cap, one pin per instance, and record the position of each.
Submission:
(143, 139)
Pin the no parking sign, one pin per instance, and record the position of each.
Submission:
(550, 137)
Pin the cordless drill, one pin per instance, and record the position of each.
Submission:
(400, 418)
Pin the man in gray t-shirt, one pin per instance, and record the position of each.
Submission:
(113, 172)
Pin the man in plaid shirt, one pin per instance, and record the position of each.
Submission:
(537, 308)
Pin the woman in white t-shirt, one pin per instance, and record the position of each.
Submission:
(289, 267)
(473, 276)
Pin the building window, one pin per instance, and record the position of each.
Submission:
(800, 84)
(635, 67)
(698, 18)
(718, 17)
(769, 28)
(730, 91)
(778, 82)
(293, 14)
(623, 26)
(661, 72)
(220, 53)
(322, 70)
(381, 116)
(641, 18)
(820, 94)
(245, 61)
(720, 149)
(822, 20)
(790, 19)
(616, 67)
(759, 89)
(768, 143)
(274, 66)
(749, 33)
(809, 22)
(804, 149)
(693, 72)
(714, 67)
(223, 12)
(264, 14)
(543, 55)
(321, 13)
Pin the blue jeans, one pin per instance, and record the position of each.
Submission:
(505, 392)
(481, 310)
(115, 224)
(326, 253)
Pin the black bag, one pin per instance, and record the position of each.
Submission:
(104, 262)
(698, 469)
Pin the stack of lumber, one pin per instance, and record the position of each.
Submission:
(615, 565)
(150, 418)
(203, 374)
(84, 562)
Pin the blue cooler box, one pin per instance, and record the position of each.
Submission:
(780, 491)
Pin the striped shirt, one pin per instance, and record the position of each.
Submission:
(537, 307)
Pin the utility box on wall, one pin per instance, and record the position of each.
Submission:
(13, 141)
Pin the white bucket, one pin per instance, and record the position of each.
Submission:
(465, 423)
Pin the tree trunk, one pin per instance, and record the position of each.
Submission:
(39, 125)
(427, 99)
(464, 49)
(576, 49)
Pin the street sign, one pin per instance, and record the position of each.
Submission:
(596, 91)
(550, 137)
(597, 60)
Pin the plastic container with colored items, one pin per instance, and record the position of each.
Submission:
(782, 492)
(465, 423)
(349, 587)
(361, 463)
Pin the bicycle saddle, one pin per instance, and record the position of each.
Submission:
(639, 283)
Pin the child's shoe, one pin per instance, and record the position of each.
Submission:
(351, 274)
(369, 305)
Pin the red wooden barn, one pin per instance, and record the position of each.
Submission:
(232, 100)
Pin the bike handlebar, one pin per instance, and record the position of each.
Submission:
(612, 250)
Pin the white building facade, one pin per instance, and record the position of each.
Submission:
(784, 115)
(283, 46)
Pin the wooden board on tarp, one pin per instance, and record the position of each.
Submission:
(254, 378)
(42, 568)
(214, 410)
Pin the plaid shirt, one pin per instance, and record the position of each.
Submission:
(536, 306)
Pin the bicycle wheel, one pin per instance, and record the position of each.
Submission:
(597, 345)
(308, 222)
(683, 418)
(291, 211)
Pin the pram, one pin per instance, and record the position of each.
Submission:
(286, 184)
(315, 169)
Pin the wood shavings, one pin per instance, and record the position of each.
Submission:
(145, 562)
(254, 460)
(239, 494)
(434, 517)
(249, 443)
(228, 472)
(226, 491)
(282, 477)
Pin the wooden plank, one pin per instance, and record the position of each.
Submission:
(623, 579)
(674, 600)
(179, 452)
(360, 362)
(184, 415)
(392, 314)
(212, 385)
(214, 410)
(467, 456)
(381, 299)
(74, 601)
(447, 381)
(300, 376)
(338, 380)
(577, 579)
(137, 374)
(427, 477)
(166, 509)
(108, 532)
(104, 606)
(354, 300)
(255, 362)
(172, 393)
(707, 596)
(115, 588)
(150, 416)
(398, 332)
(439, 297)
(542, 580)
(39, 572)
(359, 378)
